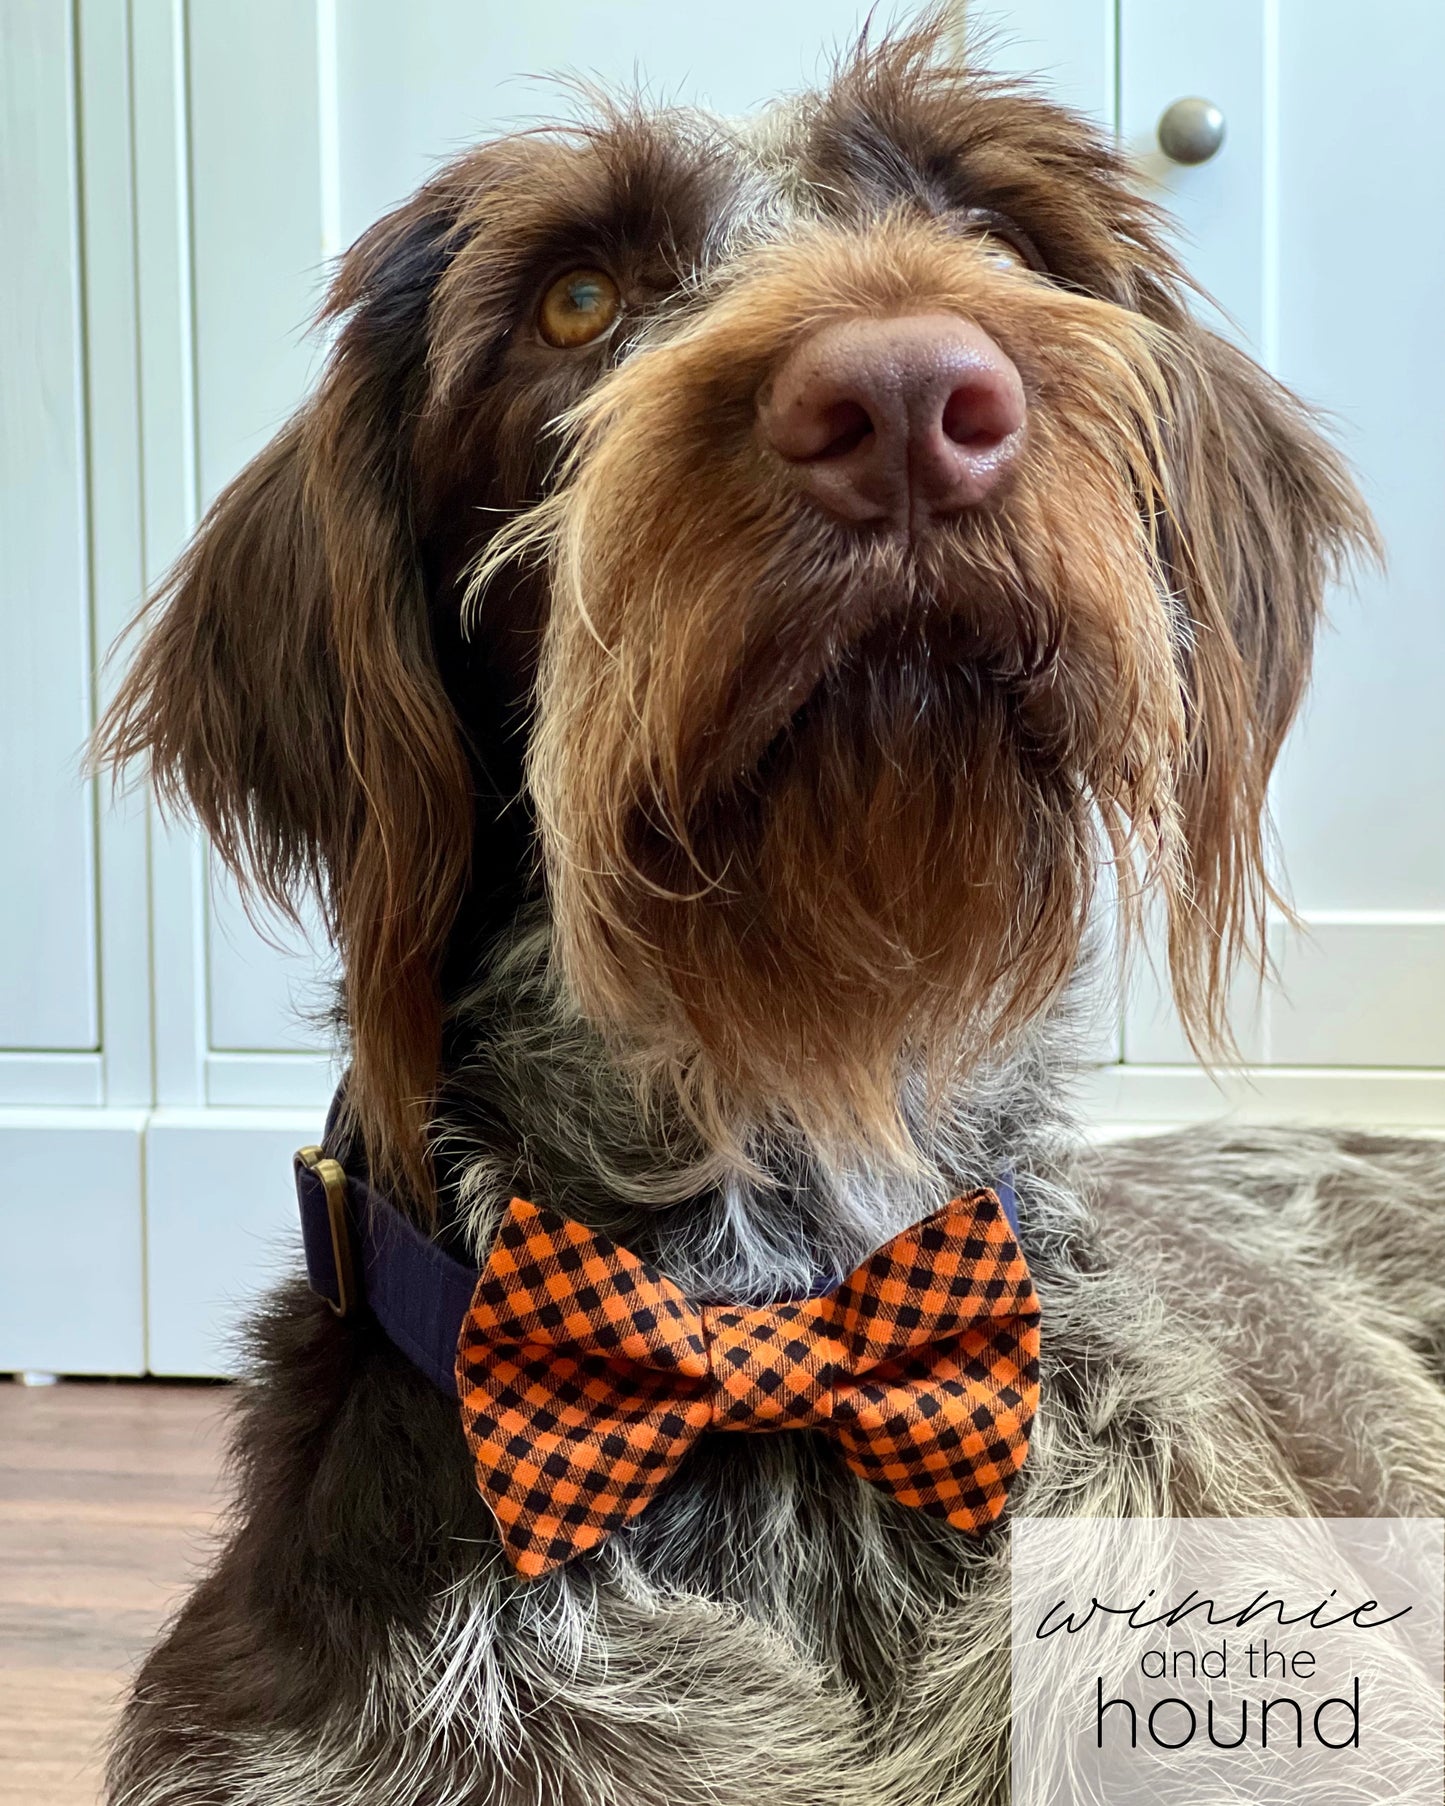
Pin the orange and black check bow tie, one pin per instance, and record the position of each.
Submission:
(585, 1376)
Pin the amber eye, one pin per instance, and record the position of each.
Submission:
(1002, 251)
(1001, 241)
(579, 307)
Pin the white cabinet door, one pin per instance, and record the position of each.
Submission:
(74, 1002)
(1069, 48)
(71, 1285)
(1317, 228)
(48, 980)
(221, 1222)
(1222, 53)
(409, 92)
(1360, 298)
(257, 261)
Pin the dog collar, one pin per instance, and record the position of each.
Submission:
(363, 1254)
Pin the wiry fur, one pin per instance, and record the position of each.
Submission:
(714, 875)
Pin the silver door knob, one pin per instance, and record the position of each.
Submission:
(1191, 131)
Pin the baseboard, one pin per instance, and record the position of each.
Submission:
(1169, 1096)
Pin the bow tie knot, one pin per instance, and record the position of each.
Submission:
(771, 1367)
(586, 1376)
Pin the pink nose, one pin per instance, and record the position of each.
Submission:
(897, 420)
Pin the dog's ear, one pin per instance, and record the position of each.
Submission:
(286, 687)
(1259, 515)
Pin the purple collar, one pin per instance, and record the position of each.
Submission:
(362, 1253)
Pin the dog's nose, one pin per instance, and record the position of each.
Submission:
(897, 420)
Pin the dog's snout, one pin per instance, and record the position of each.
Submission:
(897, 420)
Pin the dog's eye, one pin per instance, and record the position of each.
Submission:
(1001, 251)
(1002, 242)
(578, 308)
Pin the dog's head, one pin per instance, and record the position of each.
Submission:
(838, 533)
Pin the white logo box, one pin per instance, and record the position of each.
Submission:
(1209, 1661)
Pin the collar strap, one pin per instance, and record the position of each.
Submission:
(362, 1253)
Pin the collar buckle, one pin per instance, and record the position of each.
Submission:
(326, 1231)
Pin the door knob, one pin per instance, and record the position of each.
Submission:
(1191, 131)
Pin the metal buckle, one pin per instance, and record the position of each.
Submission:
(332, 1175)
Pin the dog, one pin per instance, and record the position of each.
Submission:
(733, 593)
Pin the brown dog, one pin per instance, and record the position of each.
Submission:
(731, 594)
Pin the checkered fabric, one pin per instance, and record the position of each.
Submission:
(585, 1376)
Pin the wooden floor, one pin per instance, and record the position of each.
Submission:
(107, 1493)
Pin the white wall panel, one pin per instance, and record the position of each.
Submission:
(1358, 799)
(1358, 990)
(1348, 990)
(306, 123)
(256, 1080)
(169, 500)
(256, 244)
(51, 1078)
(48, 980)
(115, 526)
(1126, 1096)
(257, 261)
(74, 970)
(1153, 1034)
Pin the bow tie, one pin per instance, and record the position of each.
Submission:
(586, 1376)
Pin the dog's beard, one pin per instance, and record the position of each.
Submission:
(821, 813)
(891, 881)
(899, 877)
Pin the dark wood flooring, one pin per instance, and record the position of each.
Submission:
(107, 1494)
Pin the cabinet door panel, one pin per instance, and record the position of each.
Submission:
(270, 981)
(70, 1226)
(306, 125)
(257, 253)
(47, 879)
(1220, 53)
(1168, 53)
(1361, 992)
(1361, 279)
(1069, 47)
(221, 1216)
(256, 233)
(459, 72)
(1322, 134)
